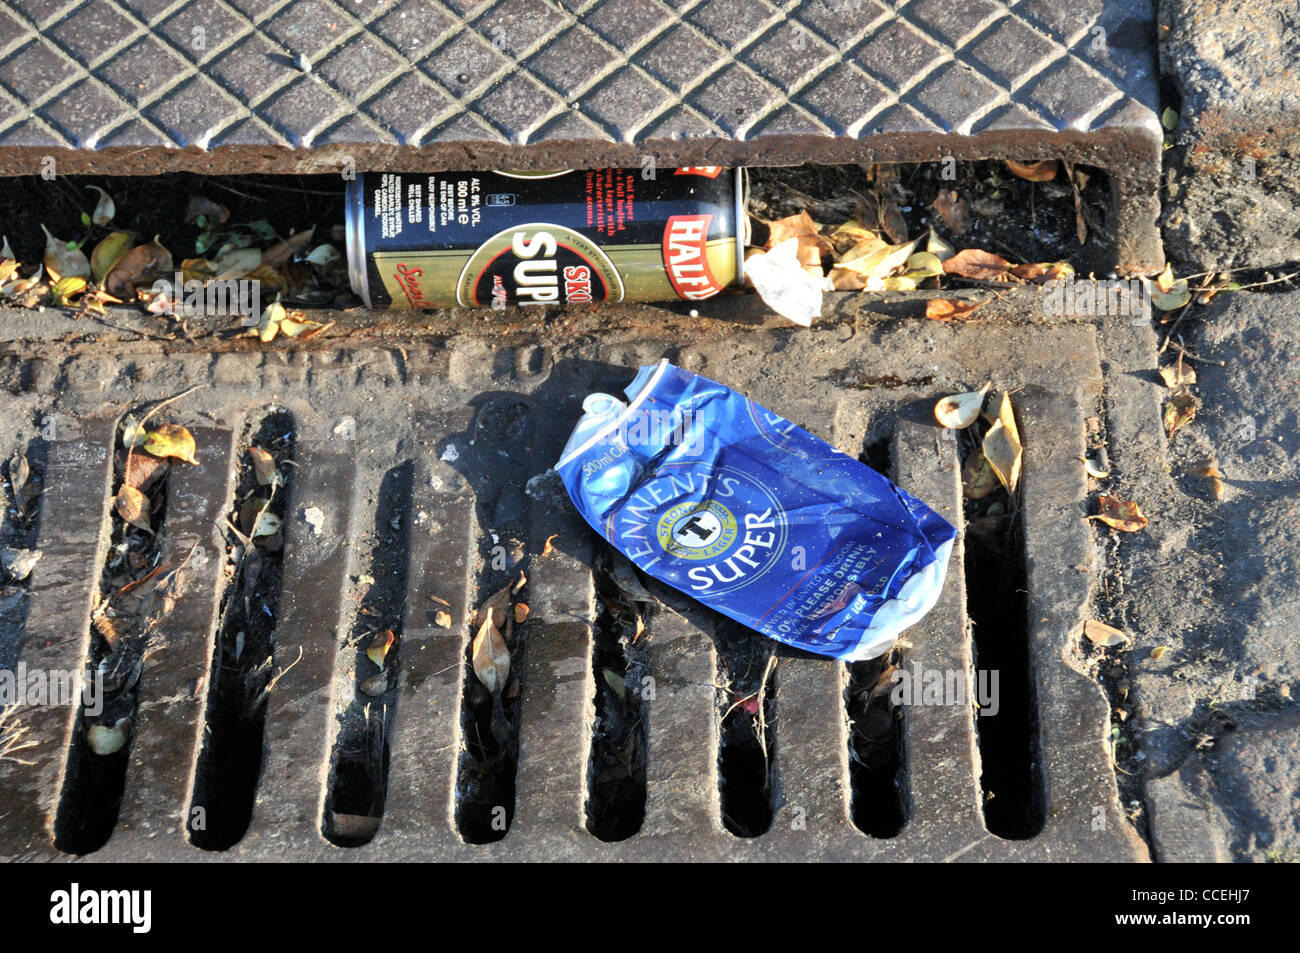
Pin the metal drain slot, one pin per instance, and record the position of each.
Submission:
(877, 775)
(1003, 692)
(169, 727)
(623, 696)
(125, 630)
(299, 714)
(426, 728)
(499, 451)
(747, 681)
(359, 776)
(73, 511)
(236, 669)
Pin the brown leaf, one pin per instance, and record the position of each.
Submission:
(1104, 635)
(811, 243)
(1210, 470)
(216, 214)
(521, 612)
(977, 478)
(1179, 412)
(495, 606)
(133, 506)
(264, 466)
(1123, 515)
(142, 471)
(279, 253)
(977, 264)
(64, 262)
(952, 211)
(442, 619)
(548, 547)
(949, 309)
(142, 265)
(1043, 171)
(1041, 272)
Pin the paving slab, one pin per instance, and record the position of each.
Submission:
(237, 86)
(1232, 195)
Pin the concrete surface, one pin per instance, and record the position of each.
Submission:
(1214, 583)
(1232, 186)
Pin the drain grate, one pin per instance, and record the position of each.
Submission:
(698, 786)
(143, 88)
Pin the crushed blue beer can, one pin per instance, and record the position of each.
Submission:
(753, 516)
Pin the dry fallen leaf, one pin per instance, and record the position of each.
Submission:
(209, 210)
(1158, 652)
(281, 252)
(977, 478)
(1123, 515)
(291, 327)
(961, 410)
(1179, 412)
(521, 612)
(264, 466)
(64, 262)
(952, 211)
(1178, 295)
(138, 267)
(1104, 635)
(1165, 280)
(1041, 272)
(171, 440)
(108, 739)
(548, 547)
(378, 648)
(375, 685)
(491, 656)
(810, 245)
(1176, 375)
(949, 309)
(133, 506)
(108, 253)
(1043, 171)
(495, 606)
(104, 208)
(143, 471)
(849, 234)
(269, 325)
(1210, 470)
(1002, 446)
(977, 264)
(442, 619)
(65, 289)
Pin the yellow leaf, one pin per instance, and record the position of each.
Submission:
(171, 440)
(491, 656)
(1176, 375)
(65, 288)
(1002, 446)
(108, 253)
(849, 234)
(269, 326)
(875, 259)
(377, 650)
(293, 328)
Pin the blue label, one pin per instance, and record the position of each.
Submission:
(757, 518)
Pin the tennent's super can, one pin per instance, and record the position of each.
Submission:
(501, 239)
